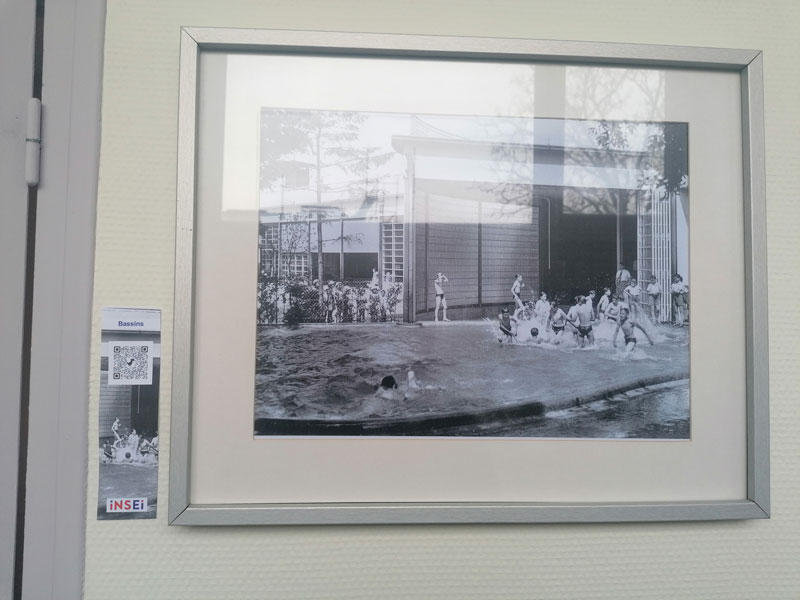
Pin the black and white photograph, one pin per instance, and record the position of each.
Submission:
(128, 442)
(471, 276)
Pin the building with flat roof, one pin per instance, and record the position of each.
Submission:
(561, 202)
(562, 217)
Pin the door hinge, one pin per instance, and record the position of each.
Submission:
(33, 142)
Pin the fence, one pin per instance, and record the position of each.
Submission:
(297, 300)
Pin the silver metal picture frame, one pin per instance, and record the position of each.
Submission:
(746, 63)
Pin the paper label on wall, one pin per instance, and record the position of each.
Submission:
(128, 442)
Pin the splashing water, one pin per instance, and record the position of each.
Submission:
(603, 334)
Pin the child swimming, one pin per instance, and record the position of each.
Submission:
(387, 390)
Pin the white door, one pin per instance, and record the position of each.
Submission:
(45, 312)
(17, 28)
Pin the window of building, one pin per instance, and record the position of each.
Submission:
(268, 260)
(359, 265)
(393, 248)
(268, 236)
(295, 264)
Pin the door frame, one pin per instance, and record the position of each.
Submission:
(60, 322)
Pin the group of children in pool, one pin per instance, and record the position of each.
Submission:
(625, 310)
(130, 448)
(578, 321)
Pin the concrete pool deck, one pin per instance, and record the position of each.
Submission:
(320, 380)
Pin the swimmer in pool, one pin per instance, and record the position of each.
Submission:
(557, 321)
(628, 331)
(505, 326)
(590, 301)
(535, 336)
(387, 390)
(585, 318)
(580, 317)
(542, 307)
(612, 310)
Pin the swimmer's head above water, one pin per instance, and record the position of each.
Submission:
(389, 382)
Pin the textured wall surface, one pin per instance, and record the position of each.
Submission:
(136, 208)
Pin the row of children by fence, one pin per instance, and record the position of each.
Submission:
(299, 301)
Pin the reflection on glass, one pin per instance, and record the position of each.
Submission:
(570, 199)
(490, 226)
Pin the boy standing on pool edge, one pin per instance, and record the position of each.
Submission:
(440, 299)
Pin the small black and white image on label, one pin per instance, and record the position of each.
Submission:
(128, 415)
(131, 363)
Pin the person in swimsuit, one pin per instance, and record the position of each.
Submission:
(441, 302)
(506, 320)
(557, 321)
(387, 390)
(535, 336)
(612, 310)
(133, 441)
(516, 290)
(115, 431)
(572, 315)
(590, 301)
(585, 318)
(605, 300)
(107, 453)
(628, 327)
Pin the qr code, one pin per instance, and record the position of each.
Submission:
(130, 363)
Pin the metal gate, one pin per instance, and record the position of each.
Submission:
(654, 248)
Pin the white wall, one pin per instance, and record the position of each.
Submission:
(753, 559)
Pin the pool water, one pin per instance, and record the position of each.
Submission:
(330, 372)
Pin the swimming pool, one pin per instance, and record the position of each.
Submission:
(330, 372)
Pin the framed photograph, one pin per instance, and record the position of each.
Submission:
(433, 280)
